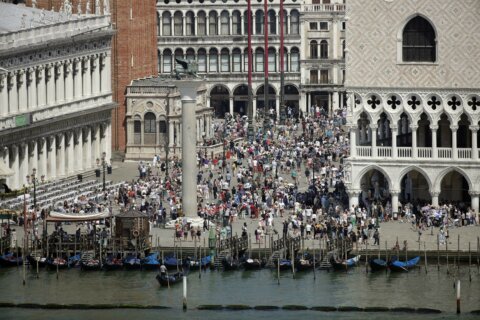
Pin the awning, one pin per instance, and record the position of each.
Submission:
(5, 171)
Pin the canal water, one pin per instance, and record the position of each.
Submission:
(416, 289)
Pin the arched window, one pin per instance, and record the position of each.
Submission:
(159, 56)
(224, 23)
(236, 23)
(158, 23)
(259, 22)
(285, 22)
(285, 60)
(202, 23)
(259, 60)
(212, 23)
(178, 23)
(245, 60)
(272, 60)
(245, 22)
(294, 22)
(190, 24)
(167, 23)
(190, 54)
(178, 55)
(149, 128)
(294, 60)
(343, 49)
(313, 49)
(419, 41)
(213, 54)
(237, 60)
(167, 61)
(202, 60)
(137, 130)
(272, 22)
(225, 60)
(323, 49)
(163, 126)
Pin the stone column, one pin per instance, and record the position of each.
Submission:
(353, 197)
(12, 93)
(79, 150)
(52, 158)
(277, 107)
(70, 146)
(475, 200)
(42, 167)
(414, 140)
(22, 91)
(96, 144)
(50, 80)
(23, 164)
(434, 195)
(32, 156)
(87, 80)
(374, 140)
(88, 148)
(6, 161)
(254, 106)
(61, 155)
(171, 131)
(394, 142)
(41, 87)
(188, 91)
(474, 130)
(68, 81)
(15, 181)
(95, 76)
(454, 142)
(230, 105)
(59, 83)
(3, 94)
(32, 88)
(353, 141)
(106, 74)
(394, 195)
(335, 38)
(434, 129)
(77, 78)
(108, 142)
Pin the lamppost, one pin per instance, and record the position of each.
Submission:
(104, 154)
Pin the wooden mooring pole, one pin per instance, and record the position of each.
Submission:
(469, 263)
(425, 253)
(438, 254)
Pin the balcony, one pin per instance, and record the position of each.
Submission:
(338, 7)
(430, 154)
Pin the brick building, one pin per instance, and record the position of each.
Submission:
(134, 48)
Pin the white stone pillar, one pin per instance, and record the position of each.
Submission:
(61, 155)
(70, 145)
(23, 165)
(353, 141)
(32, 156)
(188, 91)
(22, 91)
(454, 142)
(42, 166)
(474, 130)
(335, 37)
(434, 141)
(171, 132)
(374, 140)
(414, 140)
(6, 161)
(59, 83)
(394, 142)
(230, 105)
(87, 77)
(108, 142)
(96, 147)
(79, 150)
(435, 195)
(77, 78)
(68, 81)
(32, 88)
(50, 80)
(394, 195)
(277, 107)
(475, 200)
(3, 94)
(106, 74)
(52, 158)
(95, 76)
(12, 93)
(254, 106)
(87, 148)
(15, 166)
(41, 87)
(353, 197)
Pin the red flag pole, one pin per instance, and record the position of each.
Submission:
(251, 128)
(266, 87)
(282, 63)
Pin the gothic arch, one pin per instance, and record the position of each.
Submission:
(358, 179)
(438, 182)
(414, 168)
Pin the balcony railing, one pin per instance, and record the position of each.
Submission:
(364, 151)
(457, 154)
(324, 8)
(424, 152)
(384, 152)
(404, 152)
(444, 153)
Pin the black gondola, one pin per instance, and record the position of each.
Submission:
(304, 264)
(378, 264)
(151, 262)
(169, 279)
(113, 264)
(54, 263)
(10, 260)
(132, 263)
(230, 264)
(91, 265)
(42, 261)
(342, 265)
(253, 264)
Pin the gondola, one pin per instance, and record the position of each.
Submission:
(172, 263)
(400, 266)
(112, 263)
(378, 264)
(253, 264)
(284, 264)
(230, 264)
(132, 263)
(151, 262)
(91, 265)
(304, 264)
(74, 261)
(54, 263)
(42, 261)
(10, 260)
(195, 264)
(169, 279)
(344, 264)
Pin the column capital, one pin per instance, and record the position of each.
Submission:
(395, 193)
(3, 80)
(474, 128)
(454, 128)
(474, 193)
(68, 67)
(434, 127)
(413, 126)
(434, 193)
(20, 74)
(39, 73)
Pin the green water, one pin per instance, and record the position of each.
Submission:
(416, 289)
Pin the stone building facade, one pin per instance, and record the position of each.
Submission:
(55, 92)
(154, 114)
(413, 101)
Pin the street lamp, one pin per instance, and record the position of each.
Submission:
(103, 167)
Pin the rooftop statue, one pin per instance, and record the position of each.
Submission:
(185, 67)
